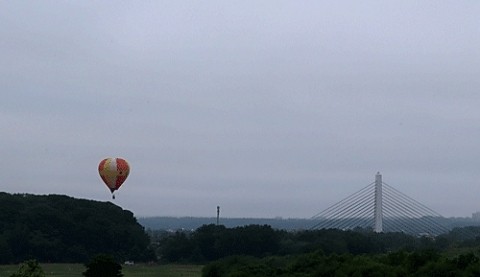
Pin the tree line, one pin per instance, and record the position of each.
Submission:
(212, 242)
(58, 228)
(427, 262)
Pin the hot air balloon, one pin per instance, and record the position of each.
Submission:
(113, 171)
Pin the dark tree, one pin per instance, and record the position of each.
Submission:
(30, 268)
(58, 228)
(103, 265)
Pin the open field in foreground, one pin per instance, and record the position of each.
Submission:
(138, 270)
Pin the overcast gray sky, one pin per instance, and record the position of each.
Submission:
(266, 108)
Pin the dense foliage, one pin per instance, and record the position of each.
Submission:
(259, 250)
(58, 228)
(395, 264)
(104, 266)
(212, 242)
(342, 253)
(30, 268)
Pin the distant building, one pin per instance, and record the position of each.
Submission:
(476, 216)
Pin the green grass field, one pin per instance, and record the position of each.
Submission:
(138, 270)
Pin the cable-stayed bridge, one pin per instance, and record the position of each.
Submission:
(382, 208)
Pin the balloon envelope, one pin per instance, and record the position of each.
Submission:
(113, 171)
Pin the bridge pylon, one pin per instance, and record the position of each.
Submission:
(381, 208)
(378, 211)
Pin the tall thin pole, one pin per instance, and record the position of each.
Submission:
(378, 213)
(218, 215)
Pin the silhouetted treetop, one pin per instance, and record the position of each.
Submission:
(59, 228)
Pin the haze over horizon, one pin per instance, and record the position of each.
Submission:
(272, 108)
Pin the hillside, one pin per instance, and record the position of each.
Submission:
(58, 228)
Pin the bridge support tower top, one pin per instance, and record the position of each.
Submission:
(378, 212)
